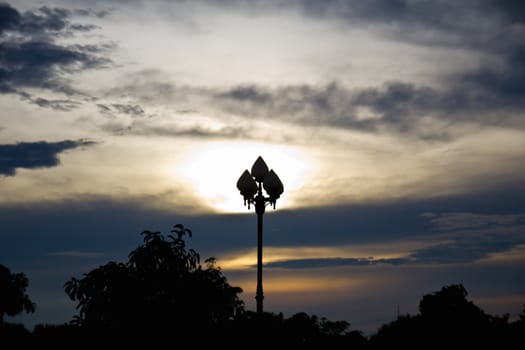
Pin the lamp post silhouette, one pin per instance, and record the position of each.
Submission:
(251, 187)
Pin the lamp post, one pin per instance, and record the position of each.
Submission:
(251, 187)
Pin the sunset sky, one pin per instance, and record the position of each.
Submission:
(396, 127)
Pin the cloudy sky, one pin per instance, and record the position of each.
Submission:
(396, 127)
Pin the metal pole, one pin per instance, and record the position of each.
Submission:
(259, 295)
(259, 209)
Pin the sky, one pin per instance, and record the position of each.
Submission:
(396, 127)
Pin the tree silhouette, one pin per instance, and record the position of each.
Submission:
(447, 314)
(447, 318)
(298, 331)
(13, 297)
(162, 286)
(450, 304)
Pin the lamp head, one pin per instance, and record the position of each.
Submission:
(259, 169)
(273, 186)
(247, 186)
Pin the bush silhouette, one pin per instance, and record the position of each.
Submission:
(162, 286)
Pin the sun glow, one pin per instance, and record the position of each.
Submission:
(213, 170)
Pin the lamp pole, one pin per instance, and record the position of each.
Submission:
(260, 205)
(251, 187)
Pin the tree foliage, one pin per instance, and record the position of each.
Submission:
(162, 285)
(450, 305)
(300, 330)
(447, 318)
(13, 296)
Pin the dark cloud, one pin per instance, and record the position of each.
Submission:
(61, 105)
(449, 22)
(331, 262)
(493, 27)
(330, 104)
(460, 238)
(417, 15)
(113, 225)
(33, 155)
(147, 124)
(506, 83)
(469, 237)
(44, 21)
(91, 12)
(31, 58)
(76, 254)
(147, 129)
(103, 108)
(42, 64)
(114, 109)
(451, 221)
(248, 93)
(357, 10)
(465, 250)
(133, 110)
(105, 224)
(395, 106)
(514, 10)
(456, 250)
(56, 104)
(9, 18)
(196, 131)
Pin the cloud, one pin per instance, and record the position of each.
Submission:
(331, 262)
(505, 82)
(34, 155)
(498, 84)
(56, 104)
(11, 18)
(31, 57)
(514, 10)
(488, 93)
(40, 64)
(395, 106)
(315, 105)
(91, 12)
(428, 22)
(419, 111)
(42, 22)
(196, 132)
(133, 110)
(76, 254)
(460, 247)
(173, 130)
(468, 247)
(452, 238)
(455, 220)
(381, 233)
(148, 124)
(464, 237)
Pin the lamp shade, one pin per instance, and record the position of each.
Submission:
(247, 185)
(259, 169)
(273, 185)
